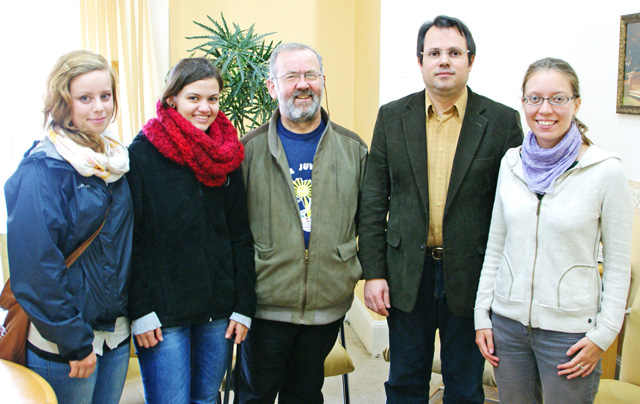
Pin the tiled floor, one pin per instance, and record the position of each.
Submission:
(366, 383)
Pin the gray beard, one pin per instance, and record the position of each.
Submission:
(297, 114)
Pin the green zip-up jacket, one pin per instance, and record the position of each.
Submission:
(295, 284)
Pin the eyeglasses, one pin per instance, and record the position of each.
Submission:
(290, 78)
(454, 53)
(557, 100)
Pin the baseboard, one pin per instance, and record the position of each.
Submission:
(374, 334)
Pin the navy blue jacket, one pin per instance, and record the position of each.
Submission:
(52, 210)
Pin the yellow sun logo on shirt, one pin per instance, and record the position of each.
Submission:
(302, 189)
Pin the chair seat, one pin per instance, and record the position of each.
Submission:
(21, 385)
(616, 392)
(338, 362)
(488, 378)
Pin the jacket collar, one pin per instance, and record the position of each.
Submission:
(275, 147)
(471, 135)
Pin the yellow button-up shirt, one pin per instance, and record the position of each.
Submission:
(442, 140)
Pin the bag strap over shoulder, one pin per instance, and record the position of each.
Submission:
(78, 252)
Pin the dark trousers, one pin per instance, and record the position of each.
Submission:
(411, 347)
(286, 360)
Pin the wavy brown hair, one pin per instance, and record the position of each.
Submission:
(57, 101)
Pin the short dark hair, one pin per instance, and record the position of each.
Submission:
(443, 21)
(187, 71)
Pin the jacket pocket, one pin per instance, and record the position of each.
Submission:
(578, 288)
(505, 280)
(348, 250)
(263, 252)
(394, 238)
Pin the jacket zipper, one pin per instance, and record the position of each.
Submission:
(306, 276)
(535, 259)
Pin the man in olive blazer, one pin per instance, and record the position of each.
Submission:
(422, 287)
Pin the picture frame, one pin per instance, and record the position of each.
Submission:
(628, 96)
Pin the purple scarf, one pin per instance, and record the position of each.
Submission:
(542, 166)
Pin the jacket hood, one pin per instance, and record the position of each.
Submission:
(45, 146)
(593, 155)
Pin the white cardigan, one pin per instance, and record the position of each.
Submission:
(541, 267)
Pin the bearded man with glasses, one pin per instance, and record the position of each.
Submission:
(426, 209)
(305, 273)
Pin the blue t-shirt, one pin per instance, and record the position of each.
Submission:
(300, 150)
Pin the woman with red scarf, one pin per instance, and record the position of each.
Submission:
(192, 280)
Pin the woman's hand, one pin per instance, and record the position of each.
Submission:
(586, 359)
(150, 338)
(238, 329)
(484, 340)
(84, 368)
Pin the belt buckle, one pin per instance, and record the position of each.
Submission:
(437, 253)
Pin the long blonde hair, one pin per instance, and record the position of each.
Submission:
(565, 69)
(57, 101)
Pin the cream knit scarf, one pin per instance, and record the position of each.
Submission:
(110, 165)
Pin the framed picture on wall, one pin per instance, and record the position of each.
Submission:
(628, 99)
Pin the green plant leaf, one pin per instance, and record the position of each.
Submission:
(242, 57)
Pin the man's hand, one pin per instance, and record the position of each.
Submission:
(376, 296)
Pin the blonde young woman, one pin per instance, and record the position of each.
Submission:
(65, 188)
(543, 315)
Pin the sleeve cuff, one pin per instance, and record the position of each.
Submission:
(242, 319)
(145, 323)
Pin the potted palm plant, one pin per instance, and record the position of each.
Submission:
(242, 57)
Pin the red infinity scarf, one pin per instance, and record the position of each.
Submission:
(210, 155)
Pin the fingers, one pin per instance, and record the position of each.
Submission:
(159, 335)
(484, 340)
(576, 370)
(230, 329)
(241, 333)
(150, 338)
(84, 368)
(376, 294)
(587, 355)
(74, 368)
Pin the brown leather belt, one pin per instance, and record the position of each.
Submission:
(437, 253)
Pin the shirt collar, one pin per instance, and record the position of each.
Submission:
(458, 108)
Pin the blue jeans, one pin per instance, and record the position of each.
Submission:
(285, 359)
(103, 386)
(187, 366)
(411, 347)
(528, 363)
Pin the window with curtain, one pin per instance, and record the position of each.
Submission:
(121, 30)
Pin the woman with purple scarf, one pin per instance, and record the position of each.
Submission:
(543, 313)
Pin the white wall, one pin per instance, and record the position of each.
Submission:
(509, 36)
(43, 30)
(34, 35)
